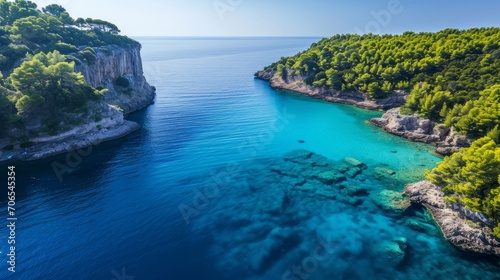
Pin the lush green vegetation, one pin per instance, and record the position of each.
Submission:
(455, 60)
(448, 73)
(452, 76)
(38, 53)
(471, 177)
(25, 29)
(47, 87)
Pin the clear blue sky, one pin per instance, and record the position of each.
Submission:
(283, 17)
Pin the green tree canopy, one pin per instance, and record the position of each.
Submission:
(54, 9)
(471, 177)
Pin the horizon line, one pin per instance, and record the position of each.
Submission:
(224, 36)
(307, 36)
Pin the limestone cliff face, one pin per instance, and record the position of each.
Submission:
(105, 121)
(113, 62)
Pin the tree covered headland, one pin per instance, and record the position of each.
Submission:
(38, 53)
(452, 77)
(447, 73)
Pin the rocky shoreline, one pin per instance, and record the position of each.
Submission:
(411, 127)
(463, 228)
(422, 130)
(105, 121)
(111, 127)
(356, 98)
(48, 149)
(467, 230)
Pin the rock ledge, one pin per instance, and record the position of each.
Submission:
(422, 130)
(462, 228)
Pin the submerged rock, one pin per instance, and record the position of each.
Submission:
(353, 172)
(298, 156)
(392, 201)
(456, 227)
(415, 225)
(330, 177)
(352, 190)
(384, 172)
(354, 162)
(279, 242)
(394, 251)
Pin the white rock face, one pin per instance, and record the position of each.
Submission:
(106, 121)
(113, 62)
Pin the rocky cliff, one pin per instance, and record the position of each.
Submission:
(105, 120)
(356, 98)
(422, 130)
(113, 62)
(463, 228)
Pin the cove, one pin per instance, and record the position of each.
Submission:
(276, 208)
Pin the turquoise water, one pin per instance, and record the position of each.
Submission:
(229, 179)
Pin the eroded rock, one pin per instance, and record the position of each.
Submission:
(455, 226)
(421, 130)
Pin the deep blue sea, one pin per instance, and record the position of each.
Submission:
(229, 179)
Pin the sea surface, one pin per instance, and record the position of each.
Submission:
(229, 179)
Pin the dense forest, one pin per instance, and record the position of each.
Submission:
(452, 77)
(38, 53)
(448, 73)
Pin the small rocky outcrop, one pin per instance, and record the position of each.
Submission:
(463, 228)
(295, 83)
(422, 130)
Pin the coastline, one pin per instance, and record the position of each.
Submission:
(416, 129)
(356, 98)
(111, 62)
(464, 229)
(79, 137)
(412, 127)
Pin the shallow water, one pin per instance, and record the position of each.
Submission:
(218, 145)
